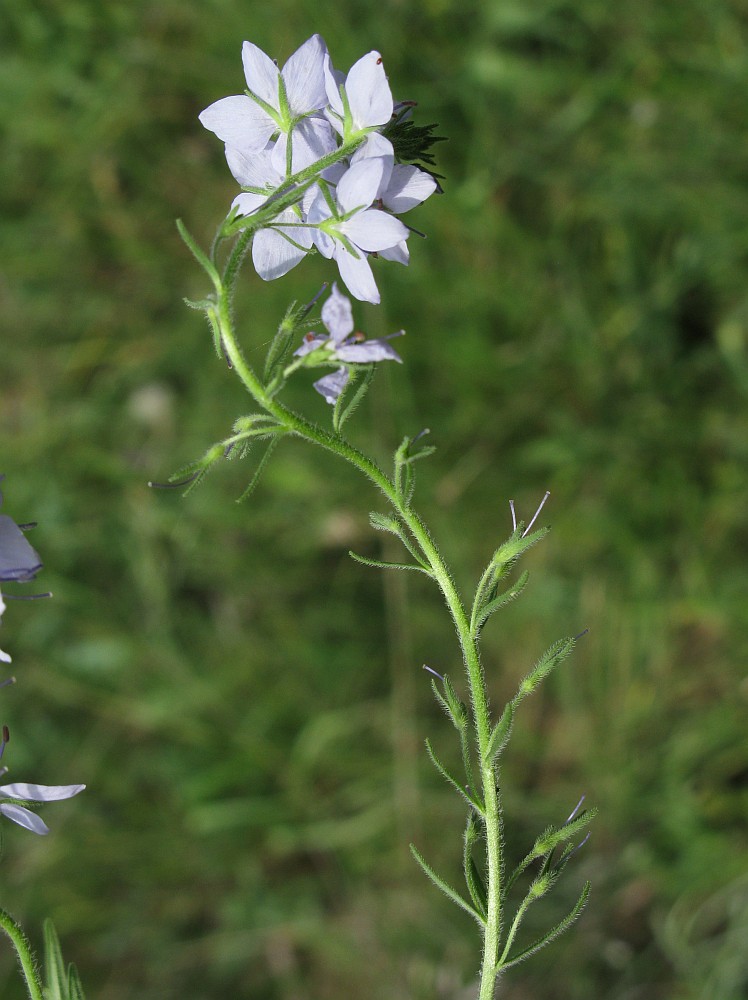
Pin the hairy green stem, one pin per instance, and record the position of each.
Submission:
(302, 427)
(25, 955)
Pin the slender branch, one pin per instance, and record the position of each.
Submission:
(25, 955)
(336, 444)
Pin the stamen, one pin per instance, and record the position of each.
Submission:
(173, 486)
(26, 597)
(535, 515)
(431, 671)
(310, 305)
(7, 681)
(426, 430)
(575, 810)
(514, 516)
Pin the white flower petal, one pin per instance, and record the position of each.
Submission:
(408, 186)
(310, 343)
(4, 657)
(24, 817)
(400, 254)
(261, 74)
(375, 144)
(273, 255)
(358, 186)
(40, 793)
(369, 94)
(239, 122)
(252, 170)
(331, 386)
(333, 79)
(337, 315)
(357, 276)
(373, 230)
(246, 203)
(311, 139)
(304, 77)
(369, 350)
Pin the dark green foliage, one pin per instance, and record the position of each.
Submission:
(245, 703)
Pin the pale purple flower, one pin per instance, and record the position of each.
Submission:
(351, 229)
(33, 793)
(287, 101)
(367, 92)
(343, 345)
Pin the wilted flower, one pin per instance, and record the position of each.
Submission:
(343, 345)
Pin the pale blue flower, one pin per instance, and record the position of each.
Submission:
(33, 793)
(344, 345)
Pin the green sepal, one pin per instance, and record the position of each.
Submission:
(481, 614)
(281, 342)
(517, 544)
(461, 790)
(59, 983)
(554, 655)
(346, 404)
(550, 839)
(500, 735)
(199, 467)
(444, 887)
(381, 564)
(473, 878)
(551, 935)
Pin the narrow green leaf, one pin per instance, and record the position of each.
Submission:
(559, 929)
(75, 987)
(445, 888)
(500, 735)
(473, 878)
(380, 564)
(54, 967)
(343, 410)
(485, 612)
(450, 779)
(260, 468)
(199, 255)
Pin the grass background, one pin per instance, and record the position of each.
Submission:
(244, 702)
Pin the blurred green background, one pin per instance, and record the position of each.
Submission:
(246, 704)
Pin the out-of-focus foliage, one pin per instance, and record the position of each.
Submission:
(244, 703)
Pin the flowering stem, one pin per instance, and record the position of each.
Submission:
(25, 955)
(295, 423)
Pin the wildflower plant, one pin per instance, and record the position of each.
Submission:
(327, 163)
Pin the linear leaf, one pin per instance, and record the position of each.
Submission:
(450, 779)
(559, 929)
(380, 564)
(445, 888)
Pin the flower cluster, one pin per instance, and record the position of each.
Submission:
(310, 139)
(19, 563)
